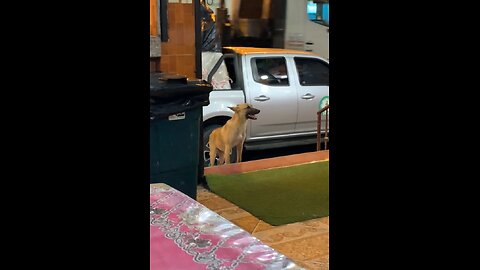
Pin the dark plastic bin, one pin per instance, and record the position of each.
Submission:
(175, 130)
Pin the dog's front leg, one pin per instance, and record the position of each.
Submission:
(226, 153)
(239, 152)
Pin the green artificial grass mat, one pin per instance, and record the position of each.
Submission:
(278, 196)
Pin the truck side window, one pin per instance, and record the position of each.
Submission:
(312, 71)
(270, 71)
(229, 63)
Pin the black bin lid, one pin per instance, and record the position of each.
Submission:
(176, 86)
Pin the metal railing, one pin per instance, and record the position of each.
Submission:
(319, 127)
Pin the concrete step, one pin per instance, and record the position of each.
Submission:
(268, 163)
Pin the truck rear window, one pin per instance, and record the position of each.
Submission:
(270, 71)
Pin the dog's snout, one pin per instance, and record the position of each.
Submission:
(253, 111)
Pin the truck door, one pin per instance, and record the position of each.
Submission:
(270, 90)
(312, 81)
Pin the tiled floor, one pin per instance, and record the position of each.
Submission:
(307, 243)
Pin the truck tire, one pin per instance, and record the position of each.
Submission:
(206, 150)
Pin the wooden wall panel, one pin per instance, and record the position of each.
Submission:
(153, 18)
(178, 54)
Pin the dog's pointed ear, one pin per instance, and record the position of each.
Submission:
(233, 108)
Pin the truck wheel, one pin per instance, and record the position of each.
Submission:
(206, 150)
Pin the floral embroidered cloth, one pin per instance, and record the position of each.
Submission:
(184, 234)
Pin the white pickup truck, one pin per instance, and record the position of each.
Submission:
(287, 86)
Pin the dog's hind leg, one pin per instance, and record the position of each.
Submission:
(213, 154)
(221, 157)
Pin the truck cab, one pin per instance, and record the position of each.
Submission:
(287, 86)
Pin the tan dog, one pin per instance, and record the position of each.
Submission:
(232, 134)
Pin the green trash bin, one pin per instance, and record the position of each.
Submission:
(175, 130)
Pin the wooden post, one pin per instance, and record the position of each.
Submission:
(319, 126)
(319, 129)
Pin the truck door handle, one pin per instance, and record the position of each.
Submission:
(308, 96)
(261, 98)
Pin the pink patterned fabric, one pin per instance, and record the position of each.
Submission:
(186, 235)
